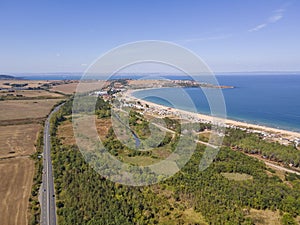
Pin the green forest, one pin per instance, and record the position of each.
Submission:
(189, 197)
(254, 144)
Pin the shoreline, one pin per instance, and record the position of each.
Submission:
(275, 132)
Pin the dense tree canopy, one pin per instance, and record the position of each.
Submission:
(85, 197)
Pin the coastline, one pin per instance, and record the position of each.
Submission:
(207, 118)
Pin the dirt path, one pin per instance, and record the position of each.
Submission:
(281, 168)
(254, 156)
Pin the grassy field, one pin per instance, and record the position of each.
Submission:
(186, 217)
(178, 216)
(18, 140)
(265, 217)
(204, 136)
(139, 160)
(16, 181)
(237, 176)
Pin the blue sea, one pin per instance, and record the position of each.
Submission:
(270, 100)
(264, 99)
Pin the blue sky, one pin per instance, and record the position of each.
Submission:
(66, 36)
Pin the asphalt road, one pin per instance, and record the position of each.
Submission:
(48, 207)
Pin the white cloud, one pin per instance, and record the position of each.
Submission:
(275, 18)
(258, 27)
(281, 10)
(277, 15)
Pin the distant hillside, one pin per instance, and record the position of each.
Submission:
(9, 77)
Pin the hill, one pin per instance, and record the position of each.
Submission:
(8, 77)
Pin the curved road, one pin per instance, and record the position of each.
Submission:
(48, 207)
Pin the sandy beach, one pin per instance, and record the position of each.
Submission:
(276, 133)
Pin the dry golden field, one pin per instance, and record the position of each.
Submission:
(18, 140)
(32, 94)
(65, 88)
(71, 88)
(15, 188)
(20, 123)
(24, 109)
(65, 130)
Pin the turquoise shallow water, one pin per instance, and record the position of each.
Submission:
(271, 100)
